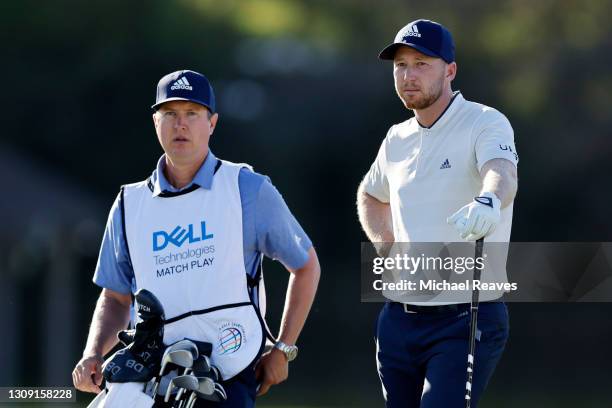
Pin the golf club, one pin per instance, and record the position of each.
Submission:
(180, 357)
(200, 367)
(188, 382)
(218, 394)
(206, 386)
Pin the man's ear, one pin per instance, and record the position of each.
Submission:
(213, 122)
(451, 70)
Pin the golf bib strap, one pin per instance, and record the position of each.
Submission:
(187, 249)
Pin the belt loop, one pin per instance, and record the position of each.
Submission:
(405, 306)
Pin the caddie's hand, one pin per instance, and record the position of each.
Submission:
(272, 369)
(477, 219)
(87, 375)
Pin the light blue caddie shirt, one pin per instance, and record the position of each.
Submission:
(268, 227)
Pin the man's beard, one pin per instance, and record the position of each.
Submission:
(429, 97)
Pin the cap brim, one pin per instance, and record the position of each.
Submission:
(388, 53)
(158, 104)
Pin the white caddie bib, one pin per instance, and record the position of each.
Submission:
(187, 249)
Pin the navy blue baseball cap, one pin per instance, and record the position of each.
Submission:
(426, 36)
(185, 85)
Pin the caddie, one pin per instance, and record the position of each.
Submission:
(194, 234)
(447, 174)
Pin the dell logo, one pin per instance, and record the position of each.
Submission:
(179, 235)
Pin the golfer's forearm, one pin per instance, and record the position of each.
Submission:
(301, 291)
(375, 217)
(499, 176)
(112, 314)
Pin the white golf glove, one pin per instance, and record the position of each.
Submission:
(477, 219)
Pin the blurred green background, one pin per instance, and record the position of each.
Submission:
(303, 98)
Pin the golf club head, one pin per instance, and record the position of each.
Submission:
(148, 306)
(188, 382)
(206, 385)
(204, 347)
(201, 366)
(218, 393)
(180, 358)
(213, 373)
(175, 355)
(186, 345)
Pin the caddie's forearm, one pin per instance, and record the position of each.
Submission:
(112, 314)
(499, 176)
(301, 292)
(375, 217)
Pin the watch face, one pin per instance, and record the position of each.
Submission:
(291, 353)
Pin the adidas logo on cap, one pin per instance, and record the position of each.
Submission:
(413, 31)
(181, 84)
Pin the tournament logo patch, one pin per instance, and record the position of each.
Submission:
(231, 337)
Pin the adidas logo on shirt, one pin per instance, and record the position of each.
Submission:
(181, 84)
(445, 165)
(413, 31)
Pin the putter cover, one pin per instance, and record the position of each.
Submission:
(124, 366)
(139, 361)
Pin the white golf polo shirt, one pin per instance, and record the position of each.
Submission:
(427, 174)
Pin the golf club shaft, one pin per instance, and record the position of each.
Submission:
(191, 400)
(473, 324)
(180, 392)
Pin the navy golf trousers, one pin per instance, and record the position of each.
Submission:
(422, 357)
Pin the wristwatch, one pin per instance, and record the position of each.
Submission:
(289, 351)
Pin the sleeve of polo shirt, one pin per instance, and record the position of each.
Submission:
(114, 270)
(375, 181)
(279, 235)
(494, 138)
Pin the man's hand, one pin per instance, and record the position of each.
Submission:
(477, 219)
(111, 315)
(272, 369)
(87, 375)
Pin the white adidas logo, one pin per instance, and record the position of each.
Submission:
(413, 31)
(181, 84)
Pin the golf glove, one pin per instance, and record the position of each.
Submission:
(478, 218)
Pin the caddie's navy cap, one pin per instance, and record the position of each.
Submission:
(185, 85)
(426, 36)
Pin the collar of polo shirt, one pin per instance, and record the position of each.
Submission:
(203, 177)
